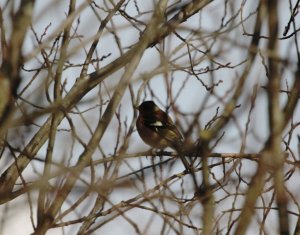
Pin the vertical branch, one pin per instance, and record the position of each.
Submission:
(41, 210)
(276, 118)
(208, 202)
(21, 23)
(12, 56)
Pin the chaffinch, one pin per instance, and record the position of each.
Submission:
(157, 129)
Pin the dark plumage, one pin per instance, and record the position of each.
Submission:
(156, 128)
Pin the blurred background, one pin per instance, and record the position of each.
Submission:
(72, 74)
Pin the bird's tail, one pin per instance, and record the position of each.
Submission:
(185, 150)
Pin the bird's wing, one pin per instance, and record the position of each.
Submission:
(164, 126)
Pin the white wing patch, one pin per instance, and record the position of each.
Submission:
(156, 124)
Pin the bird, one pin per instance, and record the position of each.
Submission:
(158, 130)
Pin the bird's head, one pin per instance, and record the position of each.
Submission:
(148, 108)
